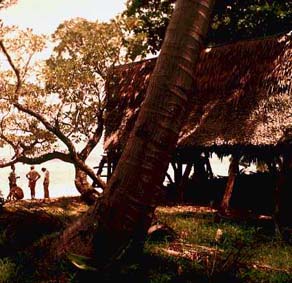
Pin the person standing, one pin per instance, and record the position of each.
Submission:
(12, 177)
(15, 192)
(32, 177)
(46, 183)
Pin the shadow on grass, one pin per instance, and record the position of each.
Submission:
(23, 223)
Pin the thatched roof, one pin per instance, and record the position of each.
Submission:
(242, 97)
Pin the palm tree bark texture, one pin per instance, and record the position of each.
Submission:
(124, 213)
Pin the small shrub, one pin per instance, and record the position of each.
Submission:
(259, 276)
(8, 271)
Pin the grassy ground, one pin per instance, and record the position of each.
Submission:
(204, 249)
(222, 251)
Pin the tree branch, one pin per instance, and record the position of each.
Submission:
(39, 159)
(15, 70)
(93, 141)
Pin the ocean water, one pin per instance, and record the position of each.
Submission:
(61, 179)
(61, 176)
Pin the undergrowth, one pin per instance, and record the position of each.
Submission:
(204, 251)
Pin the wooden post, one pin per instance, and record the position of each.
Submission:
(101, 165)
(282, 210)
(177, 169)
(179, 172)
(199, 168)
(109, 168)
(183, 181)
(209, 168)
(169, 178)
(233, 171)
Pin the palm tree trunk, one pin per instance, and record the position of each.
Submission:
(124, 213)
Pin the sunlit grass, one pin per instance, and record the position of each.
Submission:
(255, 254)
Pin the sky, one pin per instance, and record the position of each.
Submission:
(44, 16)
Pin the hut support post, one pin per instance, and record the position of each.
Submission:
(183, 182)
(169, 178)
(209, 168)
(99, 168)
(282, 187)
(101, 165)
(233, 171)
(109, 168)
(177, 168)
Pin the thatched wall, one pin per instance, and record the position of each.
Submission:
(241, 97)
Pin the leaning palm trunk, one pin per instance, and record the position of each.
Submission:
(124, 213)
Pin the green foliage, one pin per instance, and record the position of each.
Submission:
(260, 276)
(94, 45)
(8, 271)
(153, 18)
(231, 20)
(77, 70)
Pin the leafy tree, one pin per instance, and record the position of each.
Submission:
(61, 102)
(231, 19)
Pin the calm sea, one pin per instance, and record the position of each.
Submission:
(61, 177)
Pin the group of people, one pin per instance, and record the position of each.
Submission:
(16, 193)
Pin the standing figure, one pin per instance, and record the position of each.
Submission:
(15, 192)
(12, 177)
(46, 183)
(32, 177)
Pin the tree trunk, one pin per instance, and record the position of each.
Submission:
(233, 171)
(124, 213)
(88, 194)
